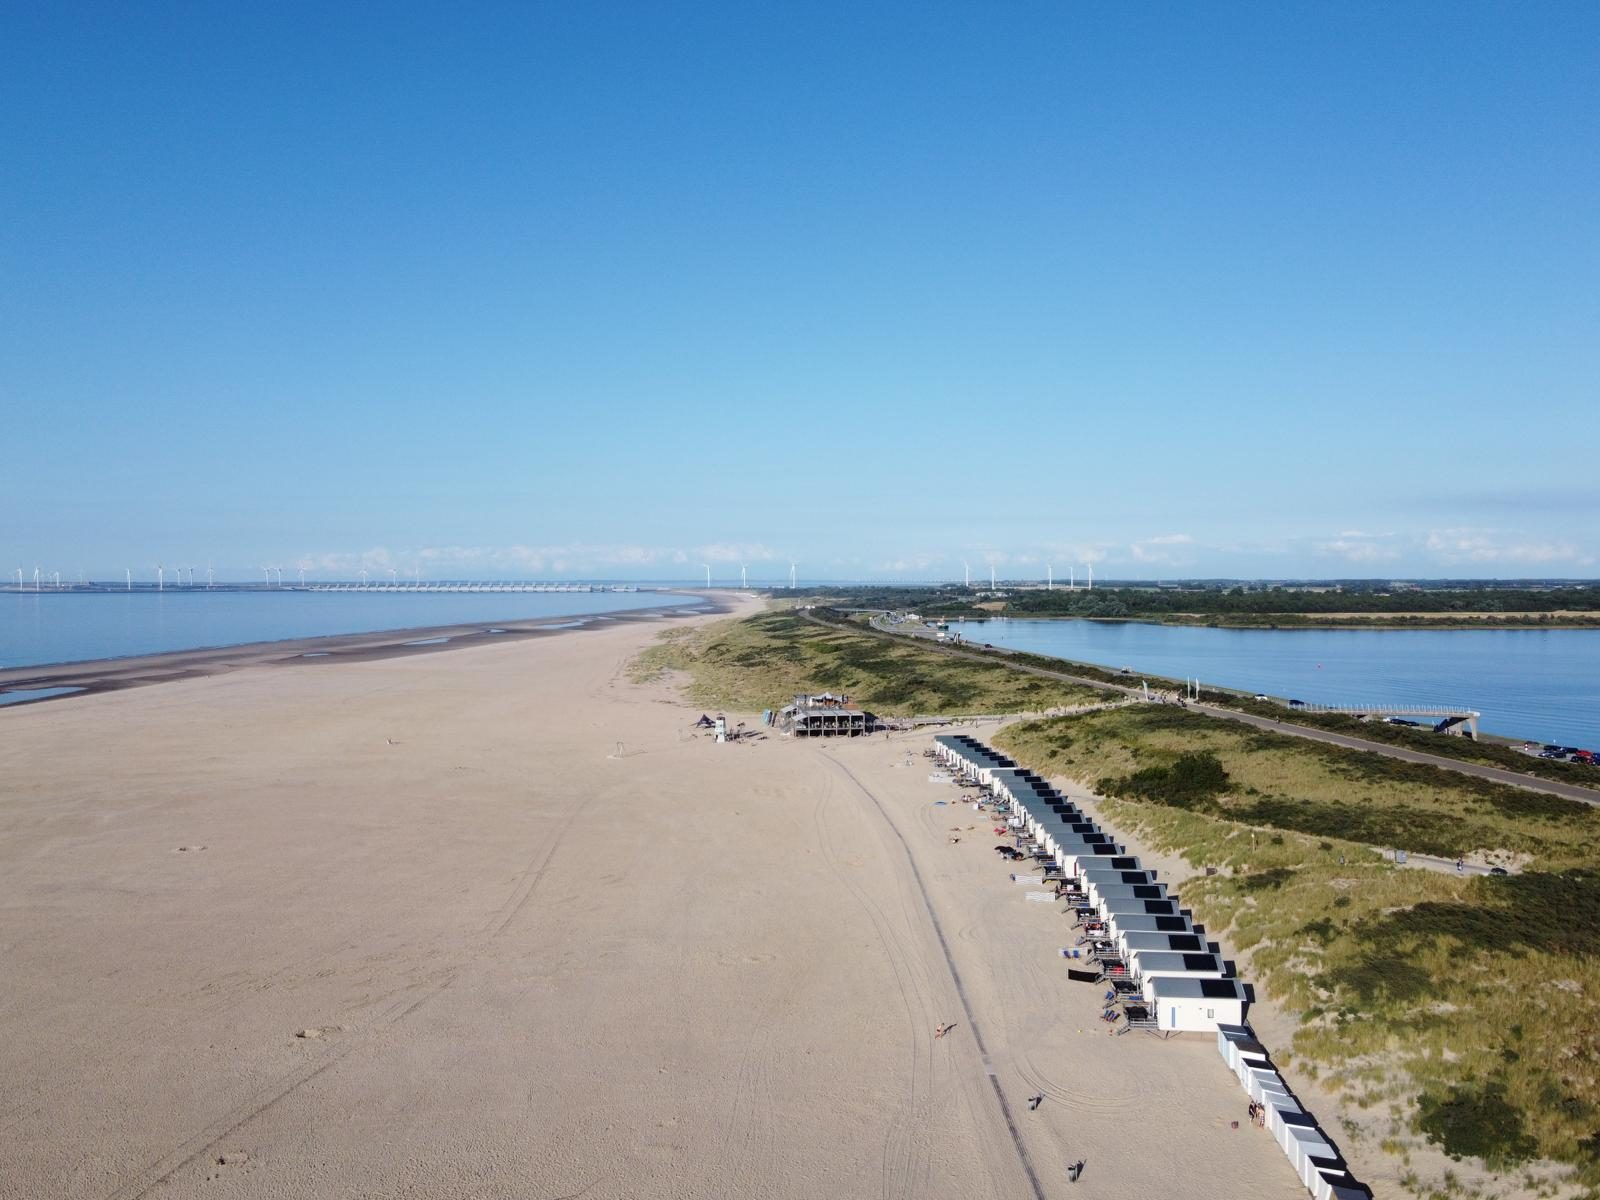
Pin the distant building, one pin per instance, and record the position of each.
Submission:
(826, 715)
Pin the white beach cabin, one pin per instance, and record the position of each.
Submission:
(1187, 1004)
(1153, 964)
(1144, 923)
(1132, 942)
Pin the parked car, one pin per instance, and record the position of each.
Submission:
(1261, 695)
(1498, 871)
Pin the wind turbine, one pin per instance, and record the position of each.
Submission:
(394, 577)
(19, 579)
(208, 577)
(966, 571)
(1072, 579)
(707, 566)
(363, 577)
(267, 571)
(58, 581)
(129, 571)
(1090, 567)
(302, 577)
(1049, 579)
(791, 576)
(991, 575)
(744, 579)
(161, 578)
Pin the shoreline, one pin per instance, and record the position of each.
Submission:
(1444, 622)
(97, 676)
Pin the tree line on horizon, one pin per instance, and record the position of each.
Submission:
(956, 600)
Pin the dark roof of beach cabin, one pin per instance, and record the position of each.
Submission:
(1154, 908)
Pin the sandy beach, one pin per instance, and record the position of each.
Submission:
(494, 922)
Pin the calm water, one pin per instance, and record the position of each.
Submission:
(1535, 683)
(40, 628)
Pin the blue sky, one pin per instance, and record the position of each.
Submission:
(1249, 290)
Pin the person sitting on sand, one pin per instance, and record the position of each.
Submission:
(940, 1030)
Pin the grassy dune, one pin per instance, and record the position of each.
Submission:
(1459, 1011)
(766, 660)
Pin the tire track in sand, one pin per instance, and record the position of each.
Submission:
(1007, 1116)
(901, 1169)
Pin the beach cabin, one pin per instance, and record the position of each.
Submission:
(1013, 782)
(1073, 856)
(1115, 910)
(1130, 941)
(1109, 862)
(1101, 889)
(1092, 872)
(1091, 844)
(1143, 923)
(1154, 964)
(1186, 1004)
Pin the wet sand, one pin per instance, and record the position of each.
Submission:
(112, 674)
(498, 923)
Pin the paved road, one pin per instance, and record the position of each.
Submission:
(1496, 774)
(1447, 866)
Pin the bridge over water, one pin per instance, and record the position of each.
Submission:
(1447, 719)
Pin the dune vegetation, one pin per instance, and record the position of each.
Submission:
(1461, 1011)
(766, 660)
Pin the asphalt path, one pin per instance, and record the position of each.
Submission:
(1533, 783)
(1498, 774)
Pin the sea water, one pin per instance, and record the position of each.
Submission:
(1542, 684)
(45, 627)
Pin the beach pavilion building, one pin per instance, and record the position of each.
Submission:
(826, 715)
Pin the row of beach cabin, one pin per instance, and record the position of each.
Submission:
(1160, 963)
(1312, 1154)
(1163, 971)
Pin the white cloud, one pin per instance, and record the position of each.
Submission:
(911, 562)
(735, 552)
(1356, 547)
(1163, 549)
(1455, 546)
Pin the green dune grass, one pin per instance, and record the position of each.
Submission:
(1461, 1011)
